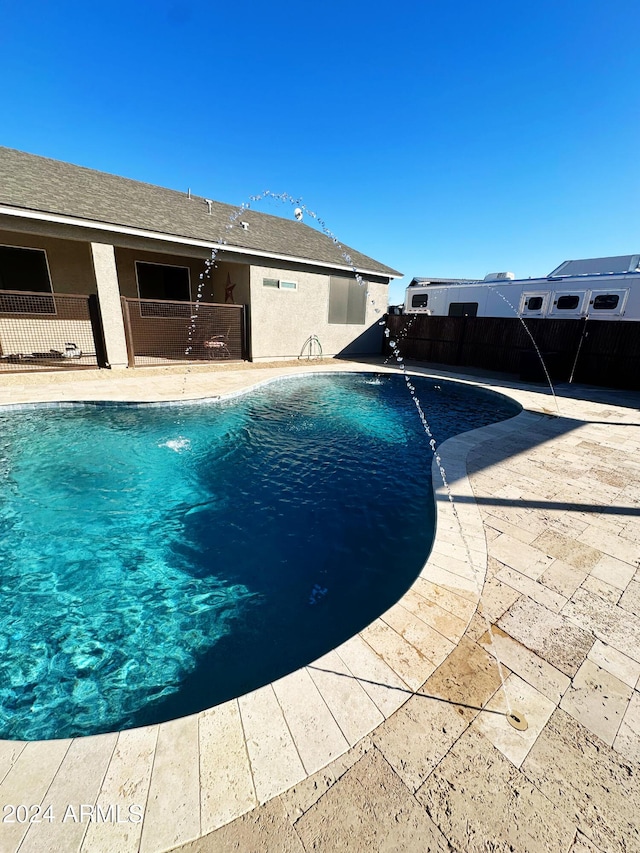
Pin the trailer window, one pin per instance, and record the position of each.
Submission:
(419, 300)
(606, 302)
(463, 309)
(568, 303)
(534, 303)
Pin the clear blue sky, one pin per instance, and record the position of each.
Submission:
(449, 139)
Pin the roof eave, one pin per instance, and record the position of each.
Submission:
(108, 227)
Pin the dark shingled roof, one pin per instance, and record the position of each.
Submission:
(52, 186)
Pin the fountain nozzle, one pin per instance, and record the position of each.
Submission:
(517, 720)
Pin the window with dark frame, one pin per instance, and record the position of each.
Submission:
(163, 282)
(419, 300)
(26, 271)
(534, 303)
(567, 303)
(606, 302)
(463, 309)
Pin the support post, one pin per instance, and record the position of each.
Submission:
(126, 314)
(104, 265)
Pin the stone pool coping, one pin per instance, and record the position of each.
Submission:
(252, 749)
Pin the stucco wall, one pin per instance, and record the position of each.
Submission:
(238, 274)
(70, 265)
(282, 320)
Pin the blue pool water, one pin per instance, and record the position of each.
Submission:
(155, 561)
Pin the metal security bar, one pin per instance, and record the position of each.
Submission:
(46, 331)
(163, 332)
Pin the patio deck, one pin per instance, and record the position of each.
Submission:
(393, 740)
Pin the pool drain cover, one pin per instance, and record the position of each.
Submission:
(518, 721)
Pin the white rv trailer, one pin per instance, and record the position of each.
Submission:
(600, 288)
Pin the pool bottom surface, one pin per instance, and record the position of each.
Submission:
(158, 561)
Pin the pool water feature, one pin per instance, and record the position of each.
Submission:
(158, 560)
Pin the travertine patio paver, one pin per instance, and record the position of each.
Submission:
(275, 762)
(592, 784)
(598, 700)
(551, 523)
(627, 740)
(315, 732)
(26, 784)
(551, 635)
(132, 761)
(225, 771)
(353, 709)
(74, 787)
(535, 670)
(385, 688)
(490, 792)
(618, 664)
(369, 790)
(607, 622)
(173, 805)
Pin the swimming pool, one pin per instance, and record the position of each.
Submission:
(158, 560)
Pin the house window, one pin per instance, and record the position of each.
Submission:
(606, 302)
(279, 284)
(25, 270)
(568, 303)
(463, 309)
(419, 300)
(347, 301)
(163, 282)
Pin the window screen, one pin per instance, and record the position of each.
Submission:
(347, 301)
(24, 269)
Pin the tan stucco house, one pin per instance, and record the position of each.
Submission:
(140, 252)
